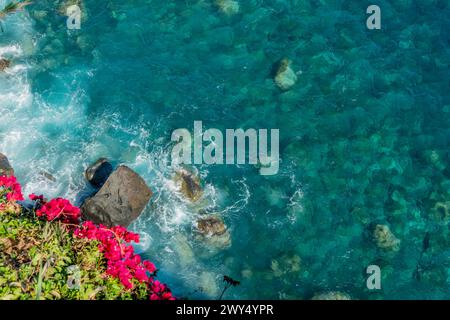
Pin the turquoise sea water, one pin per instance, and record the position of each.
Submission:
(364, 133)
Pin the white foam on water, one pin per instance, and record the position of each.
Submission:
(174, 216)
(295, 205)
(145, 242)
(13, 50)
(239, 205)
(26, 120)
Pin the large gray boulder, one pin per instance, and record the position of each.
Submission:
(120, 201)
(5, 167)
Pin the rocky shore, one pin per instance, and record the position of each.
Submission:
(118, 196)
(51, 249)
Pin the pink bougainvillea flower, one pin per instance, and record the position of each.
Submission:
(60, 209)
(122, 263)
(10, 188)
(149, 266)
(34, 197)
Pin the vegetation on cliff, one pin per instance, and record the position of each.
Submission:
(46, 254)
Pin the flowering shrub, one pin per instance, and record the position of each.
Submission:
(10, 189)
(121, 260)
(58, 208)
(113, 244)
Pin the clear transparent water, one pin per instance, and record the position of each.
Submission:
(364, 133)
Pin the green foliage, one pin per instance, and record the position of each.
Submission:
(37, 260)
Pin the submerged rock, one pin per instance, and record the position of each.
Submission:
(285, 77)
(4, 64)
(189, 185)
(385, 239)
(247, 273)
(120, 201)
(362, 215)
(286, 265)
(63, 5)
(214, 231)
(333, 295)
(184, 250)
(47, 176)
(211, 226)
(85, 43)
(436, 160)
(99, 172)
(441, 212)
(40, 14)
(5, 166)
(229, 7)
(207, 284)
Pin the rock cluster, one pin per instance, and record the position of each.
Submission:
(210, 228)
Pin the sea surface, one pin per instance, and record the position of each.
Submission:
(364, 134)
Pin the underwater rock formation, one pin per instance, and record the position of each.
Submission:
(214, 231)
(229, 7)
(120, 201)
(333, 295)
(5, 166)
(286, 265)
(48, 176)
(441, 212)
(285, 77)
(40, 14)
(435, 159)
(247, 273)
(99, 172)
(183, 250)
(85, 43)
(207, 284)
(385, 239)
(189, 185)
